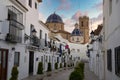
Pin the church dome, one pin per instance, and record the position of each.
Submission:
(54, 18)
(76, 32)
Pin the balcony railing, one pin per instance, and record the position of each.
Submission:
(34, 41)
(13, 38)
(14, 32)
(16, 24)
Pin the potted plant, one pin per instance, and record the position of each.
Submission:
(14, 73)
(40, 68)
(49, 69)
(56, 65)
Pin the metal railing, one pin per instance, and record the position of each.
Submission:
(16, 24)
(13, 38)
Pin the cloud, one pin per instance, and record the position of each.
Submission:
(69, 25)
(64, 5)
(63, 16)
(98, 6)
(78, 14)
(94, 22)
(41, 17)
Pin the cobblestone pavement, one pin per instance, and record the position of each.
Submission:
(88, 74)
(62, 75)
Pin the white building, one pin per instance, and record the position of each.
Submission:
(20, 35)
(111, 19)
(12, 49)
(96, 51)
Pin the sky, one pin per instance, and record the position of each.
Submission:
(71, 10)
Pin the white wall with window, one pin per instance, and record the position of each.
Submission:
(112, 37)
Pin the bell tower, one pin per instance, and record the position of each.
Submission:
(84, 27)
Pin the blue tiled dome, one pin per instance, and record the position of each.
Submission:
(54, 18)
(76, 32)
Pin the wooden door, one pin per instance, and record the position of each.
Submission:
(3, 64)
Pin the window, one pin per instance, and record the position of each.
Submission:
(31, 28)
(16, 26)
(54, 26)
(57, 59)
(110, 7)
(82, 24)
(117, 61)
(16, 58)
(30, 3)
(45, 36)
(109, 60)
(77, 39)
(35, 5)
(73, 39)
(40, 34)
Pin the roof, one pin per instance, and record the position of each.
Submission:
(76, 32)
(54, 18)
(98, 30)
(39, 1)
(61, 31)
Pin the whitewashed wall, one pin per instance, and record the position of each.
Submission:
(112, 37)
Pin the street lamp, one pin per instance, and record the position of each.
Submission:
(92, 34)
(34, 32)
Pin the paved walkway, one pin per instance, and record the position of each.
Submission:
(88, 74)
(64, 75)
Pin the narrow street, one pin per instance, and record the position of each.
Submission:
(64, 75)
(88, 74)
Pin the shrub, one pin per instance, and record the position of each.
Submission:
(60, 65)
(81, 65)
(56, 65)
(68, 65)
(49, 67)
(75, 75)
(64, 64)
(14, 73)
(80, 68)
(40, 68)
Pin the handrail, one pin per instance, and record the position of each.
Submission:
(16, 24)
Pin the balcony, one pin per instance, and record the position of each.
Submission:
(13, 38)
(34, 41)
(16, 24)
(14, 34)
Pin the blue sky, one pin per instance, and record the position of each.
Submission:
(70, 10)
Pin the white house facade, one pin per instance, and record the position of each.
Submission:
(111, 22)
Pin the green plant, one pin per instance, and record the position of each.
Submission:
(56, 65)
(81, 65)
(40, 68)
(64, 64)
(75, 75)
(60, 65)
(14, 73)
(80, 68)
(49, 67)
(68, 65)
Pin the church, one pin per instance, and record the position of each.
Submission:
(79, 35)
(81, 32)
(56, 25)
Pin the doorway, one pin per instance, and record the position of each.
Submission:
(31, 62)
(3, 64)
